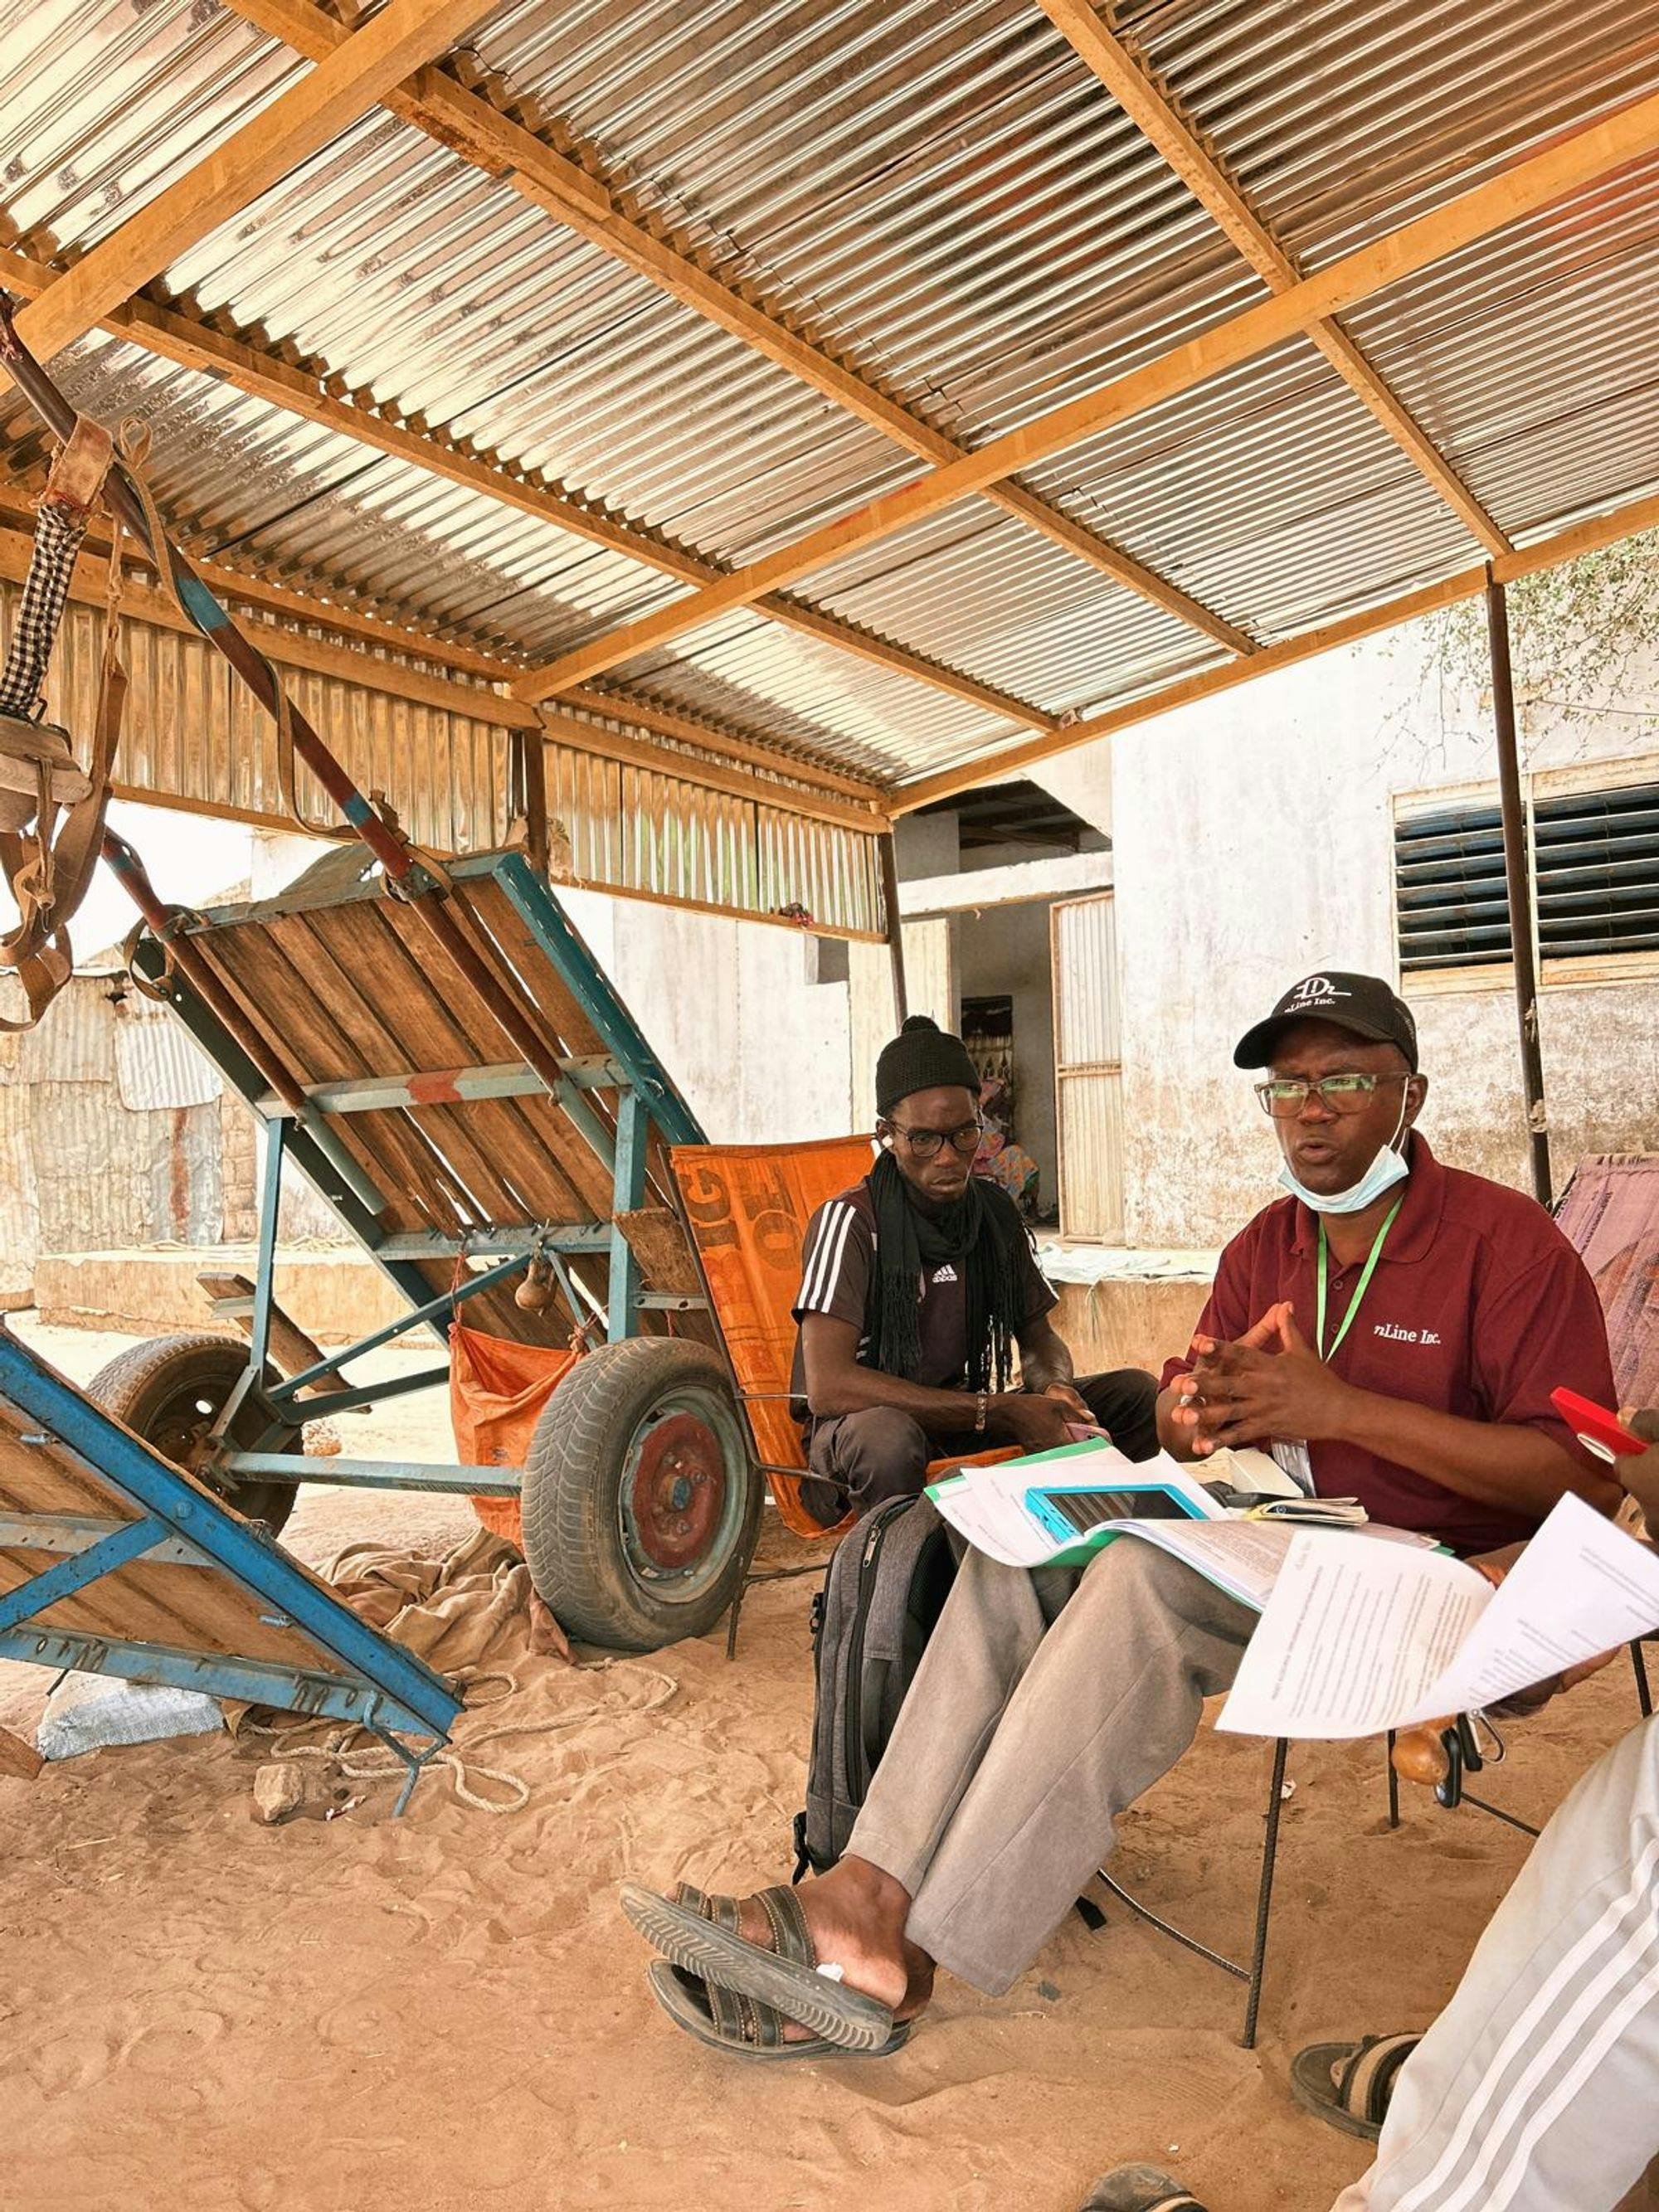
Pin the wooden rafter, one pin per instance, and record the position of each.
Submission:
(842, 800)
(168, 331)
(1151, 109)
(480, 133)
(1467, 584)
(368, 63)
(1564, 167)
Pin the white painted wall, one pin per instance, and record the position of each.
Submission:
(763, 1054)
(1253, 839)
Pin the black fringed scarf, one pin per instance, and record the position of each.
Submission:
(976, 1233)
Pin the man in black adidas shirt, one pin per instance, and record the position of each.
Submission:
(917, 1286)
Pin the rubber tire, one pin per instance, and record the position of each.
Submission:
(570, 1500)
(136, 1387)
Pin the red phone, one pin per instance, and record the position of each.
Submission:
(1596, 1429)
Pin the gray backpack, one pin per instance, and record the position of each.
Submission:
(882, 1597)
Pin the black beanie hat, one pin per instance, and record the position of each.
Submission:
(922, 1057)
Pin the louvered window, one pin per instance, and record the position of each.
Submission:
(1595, 857)
(1448, 889)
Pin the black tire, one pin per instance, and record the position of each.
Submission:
(639, 1533)
(169, 1392)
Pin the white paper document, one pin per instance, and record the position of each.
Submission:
(1051, 1506)
(1009, 1512)
(1359, 1638)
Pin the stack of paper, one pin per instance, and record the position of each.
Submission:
(1059, 1508)
(1359, 1638)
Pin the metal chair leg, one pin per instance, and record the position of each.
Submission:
(1639, 1661)
(1264, 1895)
(732, 1619)
(1394, 1783)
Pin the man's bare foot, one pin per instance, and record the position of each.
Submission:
(855, 1914)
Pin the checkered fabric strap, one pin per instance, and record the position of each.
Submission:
(58, 531)
(49, 866)
(65, 509)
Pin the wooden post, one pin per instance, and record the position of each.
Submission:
(889, 901)
(1517, 875)
(530, 774)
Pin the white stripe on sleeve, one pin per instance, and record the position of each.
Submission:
(824, 1265)
(1545, 2039)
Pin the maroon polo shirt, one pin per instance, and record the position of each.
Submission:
(1479, 1307)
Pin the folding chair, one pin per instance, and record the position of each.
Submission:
(745, 1208)
(1450, 1794)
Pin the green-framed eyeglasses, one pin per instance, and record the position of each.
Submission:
(1285, 1095)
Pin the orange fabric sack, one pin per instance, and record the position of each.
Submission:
(497, 1392)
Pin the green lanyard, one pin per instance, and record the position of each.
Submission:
(1363, 1285)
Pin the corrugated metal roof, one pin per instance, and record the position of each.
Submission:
(941, 195)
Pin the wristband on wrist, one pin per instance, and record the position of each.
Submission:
(982, 1407)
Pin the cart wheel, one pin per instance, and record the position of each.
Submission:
(640, 1502)
(169, 1392)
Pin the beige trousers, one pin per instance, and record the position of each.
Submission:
(1044, 1704)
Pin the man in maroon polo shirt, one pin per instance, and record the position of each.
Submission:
(1446, 1307)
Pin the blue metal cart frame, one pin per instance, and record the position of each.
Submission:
(348, 1672)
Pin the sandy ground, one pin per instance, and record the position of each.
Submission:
(446, 2011)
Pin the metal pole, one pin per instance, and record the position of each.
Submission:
(1517, 875)
(889, 901)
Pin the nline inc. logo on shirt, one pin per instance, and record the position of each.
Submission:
(1395, 1334)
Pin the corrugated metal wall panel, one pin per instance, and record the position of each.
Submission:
(1092, 1156)
(194, 732)
(620, 828)
(108, 1180)
(73, 1041)
(157, 1062)
(1085, 982)
(20, 1202)
(1089, 1079)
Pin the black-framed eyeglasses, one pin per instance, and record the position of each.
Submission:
(925, 1142)
(1285, 1095)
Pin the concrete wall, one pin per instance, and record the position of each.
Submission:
(1254, 843)
(1005, 949)
(762, 1053)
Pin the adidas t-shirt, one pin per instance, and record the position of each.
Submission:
(839, 1254)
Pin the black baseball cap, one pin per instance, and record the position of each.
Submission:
(1364, 1004)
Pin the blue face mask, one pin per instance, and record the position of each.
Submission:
(1390, 1167)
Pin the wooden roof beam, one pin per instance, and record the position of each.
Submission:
(164, 328)
(473, 127)
(859, 807)
(1545, 177)
(1467, 584)
(1151, 109)
(351, 81)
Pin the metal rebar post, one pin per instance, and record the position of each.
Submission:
(890, 900)
(1517, 875)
